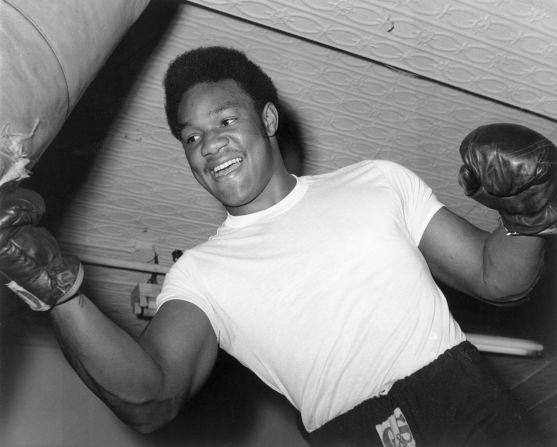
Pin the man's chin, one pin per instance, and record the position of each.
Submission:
(237, 206)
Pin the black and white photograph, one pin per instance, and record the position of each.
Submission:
(278, 223)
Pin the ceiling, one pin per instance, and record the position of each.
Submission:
(398, 80)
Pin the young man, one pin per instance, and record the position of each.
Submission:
(322, 285)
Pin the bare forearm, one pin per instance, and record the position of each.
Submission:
(110, 362)
(511, 265)
(143, 381)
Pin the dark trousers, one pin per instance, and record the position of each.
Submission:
(454, 401)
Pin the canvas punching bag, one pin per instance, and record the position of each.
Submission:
(50, 52)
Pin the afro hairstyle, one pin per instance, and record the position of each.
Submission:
(213, 64)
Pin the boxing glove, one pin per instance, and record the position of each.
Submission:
(511, 168)
(30, 260)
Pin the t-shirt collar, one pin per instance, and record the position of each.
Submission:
(284, 204)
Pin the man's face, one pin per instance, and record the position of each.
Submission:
(228, 147)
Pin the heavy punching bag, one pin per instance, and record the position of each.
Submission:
(50, 52)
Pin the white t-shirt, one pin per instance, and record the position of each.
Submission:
(325, 295)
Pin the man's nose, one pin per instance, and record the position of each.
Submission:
(214, 142)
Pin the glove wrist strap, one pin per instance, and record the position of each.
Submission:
(74, 289)
(507, 231)
(549, 231)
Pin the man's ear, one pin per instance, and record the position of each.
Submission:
(270, 118)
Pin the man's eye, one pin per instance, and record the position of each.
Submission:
(228, 121)
(191, 139)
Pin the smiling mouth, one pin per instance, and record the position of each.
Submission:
(226, 167)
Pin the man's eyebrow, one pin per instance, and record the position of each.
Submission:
(225, 106)
(212, 113)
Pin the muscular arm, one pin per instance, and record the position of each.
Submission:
(144, 381)
(491, 266)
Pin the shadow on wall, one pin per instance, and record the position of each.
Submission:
(291, 140)
(65, 165)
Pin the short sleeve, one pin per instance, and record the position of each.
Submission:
(419, 203)
(182, 282)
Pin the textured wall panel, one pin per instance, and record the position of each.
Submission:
(503, 49)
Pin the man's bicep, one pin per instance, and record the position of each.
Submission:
(180, 338)
(453, 249)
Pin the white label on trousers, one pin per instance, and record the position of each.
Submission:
(395, 431)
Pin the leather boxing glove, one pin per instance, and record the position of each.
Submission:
(30, 259)
(511, 168)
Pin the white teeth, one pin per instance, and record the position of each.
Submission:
(226, 164)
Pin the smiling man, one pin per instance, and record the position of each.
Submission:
(323, 285)
(231, 149)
